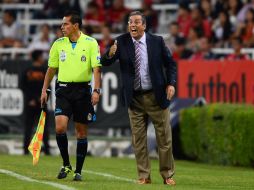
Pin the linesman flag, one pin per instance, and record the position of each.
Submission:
(35, 144)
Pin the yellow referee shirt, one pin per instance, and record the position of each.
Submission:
(75, 63)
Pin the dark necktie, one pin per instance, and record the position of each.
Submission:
(137, 80)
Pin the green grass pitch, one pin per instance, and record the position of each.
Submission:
(18, 173)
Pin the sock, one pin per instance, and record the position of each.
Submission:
(62, 143)
(80, 154)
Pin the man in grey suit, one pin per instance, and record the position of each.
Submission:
(148, 83)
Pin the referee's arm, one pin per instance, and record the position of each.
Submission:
(97, 77)
(48, 78)
(97, 84)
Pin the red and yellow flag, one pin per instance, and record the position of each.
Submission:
(35, 144)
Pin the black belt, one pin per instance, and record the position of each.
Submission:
(142, 92)
(74, 84)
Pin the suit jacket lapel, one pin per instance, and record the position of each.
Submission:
(131, 49)
(149, 48)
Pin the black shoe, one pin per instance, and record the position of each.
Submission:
(77, 177)
(64, 171)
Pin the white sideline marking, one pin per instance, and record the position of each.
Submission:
(109, 176)
(24, 178)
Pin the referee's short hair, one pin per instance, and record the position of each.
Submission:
(75, 17)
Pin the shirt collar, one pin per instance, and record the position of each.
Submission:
(82, 35)
(142, 39)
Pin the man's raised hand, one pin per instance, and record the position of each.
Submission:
(113, 49)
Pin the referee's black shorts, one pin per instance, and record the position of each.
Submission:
(74, 99)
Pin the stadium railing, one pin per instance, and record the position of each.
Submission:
(12, 52)
(226, 51)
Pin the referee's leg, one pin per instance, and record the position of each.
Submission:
(61, 137)
(81, 151)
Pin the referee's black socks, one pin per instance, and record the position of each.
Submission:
(80, 154)
(62, 143)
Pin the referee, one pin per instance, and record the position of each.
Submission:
(75, 56)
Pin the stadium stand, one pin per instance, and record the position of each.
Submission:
(33, 14)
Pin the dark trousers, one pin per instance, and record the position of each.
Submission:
(31, 122)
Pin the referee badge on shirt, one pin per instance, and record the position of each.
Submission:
(62, 56)
(83, 58)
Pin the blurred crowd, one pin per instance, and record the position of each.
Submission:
(199, 25)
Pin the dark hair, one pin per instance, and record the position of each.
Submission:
(75, 17)
(36, 54)
(184, 5)
(227, 27)
(251, 10)
(138, 13)
(180, 41)
(11, 13)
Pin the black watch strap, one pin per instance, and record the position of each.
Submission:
(97, 90)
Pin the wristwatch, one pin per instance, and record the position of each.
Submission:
(97, 90)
